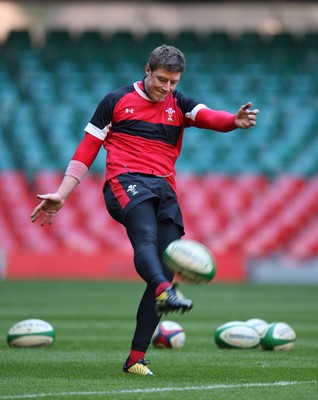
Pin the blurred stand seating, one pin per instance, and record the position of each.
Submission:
(252, 191)
(247, 213)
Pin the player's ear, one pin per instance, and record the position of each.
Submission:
(148, 69)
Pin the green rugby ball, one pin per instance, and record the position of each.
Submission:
(278, 336)
(191, 260)
(31, 333)
(236, 335)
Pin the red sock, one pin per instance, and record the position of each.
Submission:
(134, 356)
(163, 286)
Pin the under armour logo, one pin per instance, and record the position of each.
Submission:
(129, 110)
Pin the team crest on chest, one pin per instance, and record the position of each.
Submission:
(170, 111)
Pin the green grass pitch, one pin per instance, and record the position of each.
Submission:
(94, 322)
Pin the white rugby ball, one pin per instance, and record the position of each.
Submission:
(278, 336)
(168, 335)
(31, 333)
(259, 324)
(191, 260)
(236, 335)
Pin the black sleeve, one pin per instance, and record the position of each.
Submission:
(103, 114)
(186, 104)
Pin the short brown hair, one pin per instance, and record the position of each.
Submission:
(168, 57)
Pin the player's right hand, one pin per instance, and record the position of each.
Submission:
(51, 204)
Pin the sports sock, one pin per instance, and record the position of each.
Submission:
(163, 286)
(134, 356)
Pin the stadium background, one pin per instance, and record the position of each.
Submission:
(259, 188)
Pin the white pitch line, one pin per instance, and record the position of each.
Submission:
(156, 390)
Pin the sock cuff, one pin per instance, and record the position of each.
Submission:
(163, 286)
(134, 356)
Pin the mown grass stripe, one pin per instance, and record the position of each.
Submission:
(158, 390)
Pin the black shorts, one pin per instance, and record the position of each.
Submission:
(127, 190)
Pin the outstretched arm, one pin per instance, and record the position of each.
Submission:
(52, 202)
(222, 121)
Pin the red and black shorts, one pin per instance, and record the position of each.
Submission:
(127, 190)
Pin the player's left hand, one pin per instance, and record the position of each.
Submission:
(246, 118)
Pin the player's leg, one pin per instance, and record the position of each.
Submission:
(141, 226)
(149, 238)
(167, 232)
(142, 230)
(147, 320)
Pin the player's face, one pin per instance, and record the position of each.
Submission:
(160, 83)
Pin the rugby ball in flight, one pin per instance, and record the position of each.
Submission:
(191, 260)
(236, 335)
(31, 333)
(278, 336)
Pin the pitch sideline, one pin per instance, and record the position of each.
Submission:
(156, 390)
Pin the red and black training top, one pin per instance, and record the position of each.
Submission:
(143, 136)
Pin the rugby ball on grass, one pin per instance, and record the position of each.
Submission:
(258, 324)
(168, 335)
(31, 333)
(278, 336)
(236, 335)
(191, 260)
